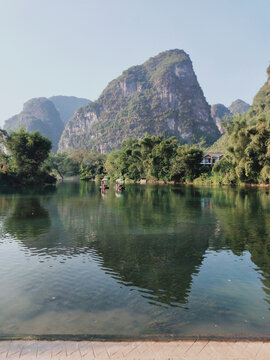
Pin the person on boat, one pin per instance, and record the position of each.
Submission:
(104, 184)
(119, 184)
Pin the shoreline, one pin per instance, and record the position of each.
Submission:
(126, 338)
(162, 182)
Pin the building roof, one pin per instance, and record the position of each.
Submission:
(213, 154)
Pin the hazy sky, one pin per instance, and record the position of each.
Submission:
(75, 47)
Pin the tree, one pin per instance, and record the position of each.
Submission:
(92, 166)
(162, 155)
(60, 163)
(248, 155)
(112, 164)
(28, 151)
(186, 163)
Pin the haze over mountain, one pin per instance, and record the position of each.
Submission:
(238, 107)
(67, 105)
(221, 113)
(161, 96)
(48, 116)
(260, 107)
(38, 114)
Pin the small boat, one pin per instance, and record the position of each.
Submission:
(104, 184)
(119, 184)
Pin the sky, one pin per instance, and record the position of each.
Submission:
(76, 47)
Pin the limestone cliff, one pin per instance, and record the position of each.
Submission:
(38, 114)
(220, 113)
(161, 96)
(238, 107)
(67, 105)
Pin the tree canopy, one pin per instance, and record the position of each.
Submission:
(154, 158)
(26, 153)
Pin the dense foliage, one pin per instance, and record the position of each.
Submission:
(23, 160)
(247, 159)
(154, 158)
(88, 165)
(248, 154)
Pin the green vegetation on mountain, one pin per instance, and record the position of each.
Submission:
(220, 145)
(160, 97)
(260, 106)
(261, 102)
(221, 114)
(67, 105)
(247, 143)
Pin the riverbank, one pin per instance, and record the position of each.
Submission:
(135, 350)
(162, 182)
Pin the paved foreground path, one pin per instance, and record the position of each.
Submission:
(180, 350)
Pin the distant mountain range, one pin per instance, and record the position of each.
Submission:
(161, 96)
(48, 116)
(221, 113)
(67, 105)
(260, 107)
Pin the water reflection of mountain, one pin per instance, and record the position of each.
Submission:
(153, 238)
(137, 238)
(163, 263)
(145, 239)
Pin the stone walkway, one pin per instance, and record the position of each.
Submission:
(150, 350)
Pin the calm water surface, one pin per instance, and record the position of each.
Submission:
(156, 260)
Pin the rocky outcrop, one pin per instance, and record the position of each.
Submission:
(239, 107)
(161, 96)
(38, 114)
(67, 105)
(48, 116)
(220, 113)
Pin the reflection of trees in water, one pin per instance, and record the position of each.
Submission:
(244, 215)
(139, 238)
(153, 238)
(27, 218)
(30, 219)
